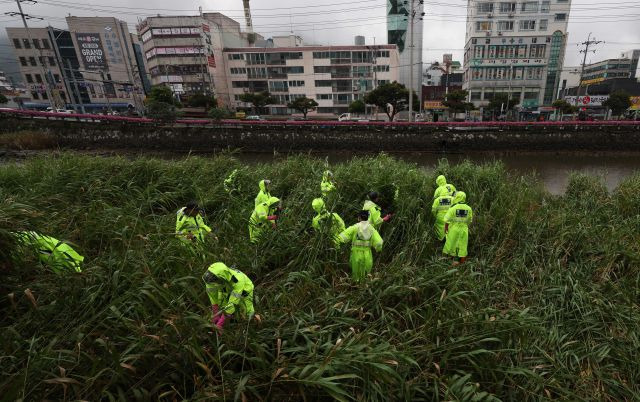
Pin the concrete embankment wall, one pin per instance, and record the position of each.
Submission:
(283, 137)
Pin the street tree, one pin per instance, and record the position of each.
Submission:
(456, 101)
(303, 105)
(392, 94)
(201, 100)
(161, 93)
(357, 107)
(618, 102)
(257, 100)
(563, 107)
(161, 111)
(216, 113)
(501, 103)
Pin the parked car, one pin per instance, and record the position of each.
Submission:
(254, 118)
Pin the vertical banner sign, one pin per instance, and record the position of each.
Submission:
(91, 51)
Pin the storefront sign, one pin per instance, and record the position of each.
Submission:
(592, 81)
(91, 51)
(635, 103)
(587, 100)
(429, 105)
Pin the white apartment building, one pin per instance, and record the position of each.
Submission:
(334, 76)
(517, 48)
(185, 52)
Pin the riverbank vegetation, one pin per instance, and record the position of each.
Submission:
(546, 306)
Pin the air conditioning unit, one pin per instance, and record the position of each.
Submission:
(511, 15)
(499, 33)
(488, 33)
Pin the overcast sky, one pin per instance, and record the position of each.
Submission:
(334, 22)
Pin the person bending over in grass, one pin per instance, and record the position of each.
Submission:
(375, 212)
(263, 214)
(324, 217)
(362, 237)
(190, 226)
(57, 255)
(229, 290)
(456, 228)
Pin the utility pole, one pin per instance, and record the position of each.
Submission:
(45, 75)
(586, 50)
(104, 91)
(411, 17)
(75, 85)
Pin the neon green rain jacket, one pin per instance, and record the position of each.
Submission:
(443, 187)
(337, 224)
(374, 213)
(327, 186)
(263, 194)
(362, 237)
(233, 290)
(258, 221)
(459, 217)
(439, 209)
(187, 225)
(58, 255)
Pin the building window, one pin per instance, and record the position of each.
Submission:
(505, 25)
(478, 52)
(52, 61)
(16, 43)
(56, 78)
(296, 83)
(23, 61)
(485, 7)
(36, 43)
(537, 51)
(45, 44)
(527, 25)
(295, 70)
(29, 78)
(522, 51)
(38, 78)
(543, 25)
(34, 95)
(382, 69)
(529, 7)
(382, 53)
(476, 95)
(507, 7)
(545, 6)
(483, 26)
(236, 56)
(238, 70)
(45, 96)
(26, 43)
(531, 95)
(32, 61)
(382, 82)
(561, 17)
(518, 73)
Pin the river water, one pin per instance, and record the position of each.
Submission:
(553, 169)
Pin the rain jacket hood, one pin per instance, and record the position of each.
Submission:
(459, 197)
(364, 230)
(441, 181)
(263, 185)
(318, 205)
(272, 201)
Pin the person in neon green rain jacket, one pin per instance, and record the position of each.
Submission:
(439, 209)
(52, 252)
(263, 214)
(263, 194)
(443, 187)
(456, 227)
(229, 290)
(375, 211)
(362, 237)
(190, 226)
(323, 216)
(327, 186)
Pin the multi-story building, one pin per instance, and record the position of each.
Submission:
(399, 34)
(185, 52)
(334, 76)
(634, 56)
(516, 48)
(606, 70)
(40, 66)
(90, 67)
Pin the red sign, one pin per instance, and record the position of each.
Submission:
(212, 61)
(205, 28)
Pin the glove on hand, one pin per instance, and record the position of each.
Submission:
(272, 217)
(221, 321)
(387, 217)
